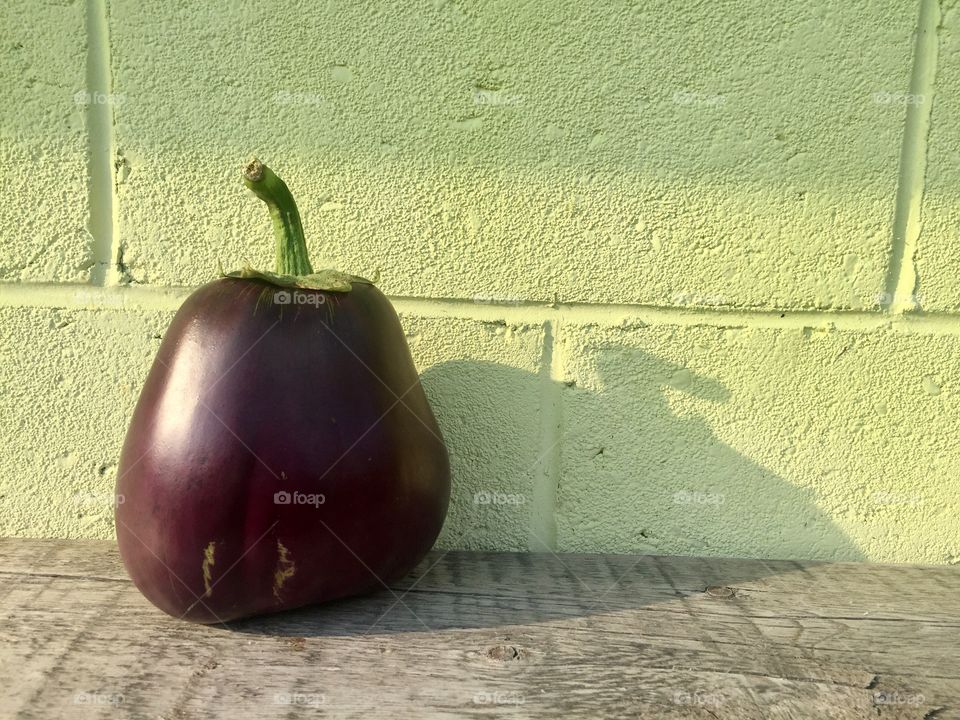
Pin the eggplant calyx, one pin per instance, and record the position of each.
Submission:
(330, 280)
(291, 257)
(293, 267)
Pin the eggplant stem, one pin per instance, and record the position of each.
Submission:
(292, 258)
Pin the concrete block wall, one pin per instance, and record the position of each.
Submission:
(679, 278)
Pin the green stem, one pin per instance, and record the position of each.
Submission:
(292, 258)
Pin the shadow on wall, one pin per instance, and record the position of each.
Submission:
(640, 469)
(624, 499)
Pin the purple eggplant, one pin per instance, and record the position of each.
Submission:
(282, 451)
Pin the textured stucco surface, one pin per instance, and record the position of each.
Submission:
(43, 143)
(733, 152)
(70, 381)
(781, 443)
(938, 250)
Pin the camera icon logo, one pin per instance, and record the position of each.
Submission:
(282, 297)
(281, 498)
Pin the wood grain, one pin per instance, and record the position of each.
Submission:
(494, 634)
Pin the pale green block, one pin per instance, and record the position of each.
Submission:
(938, 247)
(71, 379)
(43, 142)
(732, 155)
(761, 443)
(481, 379)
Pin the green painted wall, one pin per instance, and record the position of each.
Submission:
(679, 279)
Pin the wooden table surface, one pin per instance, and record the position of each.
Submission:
(494, 634)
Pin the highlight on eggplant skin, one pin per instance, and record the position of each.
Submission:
(282, 451)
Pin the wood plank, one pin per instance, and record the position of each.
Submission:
(479, 634)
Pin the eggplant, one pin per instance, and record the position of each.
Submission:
(282, 451)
